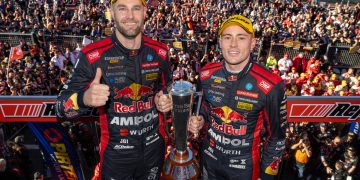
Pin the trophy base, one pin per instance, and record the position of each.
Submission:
(181, 165)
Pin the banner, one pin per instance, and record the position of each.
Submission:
(58, 150)
(354, 127)
(178, 45)
(323, 109)
(16, 53)
(344, 109)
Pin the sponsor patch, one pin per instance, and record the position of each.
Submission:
(151, 76)
(237, 98)
(227, 115)
(115, 67)
(217, 86)
(149, 65)
(93, 55)
(217, 81)
(247, 93)
(232, 78)
(112, 61)
(136, 106)
(133, 53)
(273, 168)
(205, 74)
(245, 106)
(229, 129)
(248, 86)
(134, 92)
(149, 57)
(265, 86)
(71, 103)
(214, 98)
(144, 71)
(114, 58)
(162, 53)
(116, 80)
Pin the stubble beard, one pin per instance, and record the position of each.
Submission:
(129, 34)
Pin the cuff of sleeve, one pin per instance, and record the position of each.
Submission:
(80, 99)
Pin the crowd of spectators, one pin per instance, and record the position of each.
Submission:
(45, 66)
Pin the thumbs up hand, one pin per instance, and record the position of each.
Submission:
(98, 94)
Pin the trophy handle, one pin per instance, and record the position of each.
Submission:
(198, 106)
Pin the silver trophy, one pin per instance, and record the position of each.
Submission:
(181, 163)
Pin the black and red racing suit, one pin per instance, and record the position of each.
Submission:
(131, 146)
(241, 109)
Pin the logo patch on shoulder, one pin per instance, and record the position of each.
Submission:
(93, 56)
(162, 53)
(265, 86)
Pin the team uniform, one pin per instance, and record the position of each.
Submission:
(131, 146)
(241, 109)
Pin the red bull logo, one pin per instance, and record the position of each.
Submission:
(137, 106)
(134, 91)
(227, 115)
(272, 169)
(69, 104)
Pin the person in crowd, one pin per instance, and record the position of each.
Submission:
(303, 154)
(285, 64)
(350, 160)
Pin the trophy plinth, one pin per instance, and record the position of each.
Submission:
(181, 163)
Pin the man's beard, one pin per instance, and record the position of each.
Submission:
(129, 34)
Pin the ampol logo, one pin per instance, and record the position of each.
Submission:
(134, 91)
(228, 115)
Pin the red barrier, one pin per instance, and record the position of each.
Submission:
(299, 109)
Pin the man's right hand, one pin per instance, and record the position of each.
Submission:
(98, 94)
(195, 124)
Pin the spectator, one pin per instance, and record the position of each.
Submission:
(339, 173)
(350, 162)
(302, 154)
(299, 62)
(284, 64)
(59, 60)
(271, 62)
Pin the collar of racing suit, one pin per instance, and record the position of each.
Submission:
(126, 51)
(235, 76)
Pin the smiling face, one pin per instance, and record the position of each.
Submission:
(236, 45)
(129, 17)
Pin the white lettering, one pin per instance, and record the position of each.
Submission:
(130, 121)
(141, 131)
(118, 147)
(226, 141)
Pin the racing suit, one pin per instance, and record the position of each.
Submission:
(241, 109)
(131, 146)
